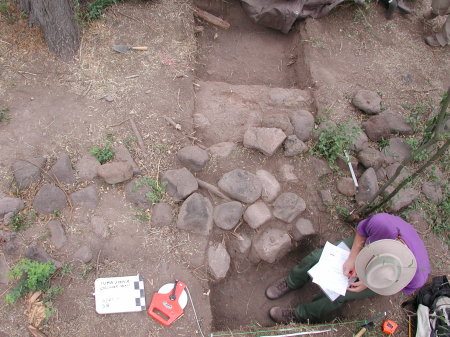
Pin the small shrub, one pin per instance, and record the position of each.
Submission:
(157, 189)
(19, 221)
(142, 215)
(103, 154)
(4, 116)
(33, 276)
(96, 8)
(333, 140)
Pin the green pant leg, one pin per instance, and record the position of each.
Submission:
(298, 276)
(322, 305)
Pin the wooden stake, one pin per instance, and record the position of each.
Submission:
(213, 189)
(211, 18)
(138, 135)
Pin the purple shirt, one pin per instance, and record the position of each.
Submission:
(387, 226)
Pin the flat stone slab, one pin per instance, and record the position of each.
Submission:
(218, 261)
(241, 185)
(272, 244)
(303, 122)
(48, 199)
(265, 140)
(10, 205)
(225, 111)
(397, 150)
(257, 214)
(99, 226)
(346, 186)
(57, 233)
(370, 157)
(367, 101)
(196, 215)
(86, 198)
(368, 186)
(193, 158)
(270, 185)
(83, 254)
(288, 206)
(180, 183)
(227, 215)
(28, 172)
(403, 199)
(302, 228)
(115, 172)
(222, 150)
(87, 167)
(62, 170)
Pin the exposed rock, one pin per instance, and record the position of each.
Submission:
(241, 185)
(28, 172)
(381, 174)
(368, 186)
(200, 120)
(121, 153)
(83, 254)
(370, 157)
(287, 206)
(287, 173)
(87, 167)
(320, 167)
(278, 121)
(257, 214)
(397, 123)
(403, 199)
(326, 197)
(367, 101)
(11, 246)
(162, 214)
(196, 215)
(361, 141)
(86, 198)
(48, 199)
(239, 246)
(397, 150)
(62, 170)
(272, 244)
(302, 228)
(270, 186)
(136, 193)
(404, 173)
(433, 192)
(180, 183)
(57, 233)
(10, 205)
(4, 270)
(7, 218)
(418, 219)
(193, 158)
(223, 149)
(99, 226)
(346, 186)
(227, 215)
(294, 146)
(266, 140)
(303, 123)
(437, 175)
(377, 128)
(37, 253)
(218, 261)
(115, 172)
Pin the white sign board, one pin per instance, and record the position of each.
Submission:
(119, 294)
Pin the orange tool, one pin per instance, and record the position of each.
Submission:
(389, 327)
(369, 324)
(165, 308)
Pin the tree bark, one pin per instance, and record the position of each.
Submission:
(57, 20)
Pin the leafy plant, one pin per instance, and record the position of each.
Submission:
(19, 221)
(33, 276)
(7, 11)
(103, 154)
(415, 144)
(4, 116)
(333, 140)
(142, 215)
(416, 113)
(157, 189)
(96, 8)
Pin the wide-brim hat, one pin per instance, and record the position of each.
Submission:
(386, 266)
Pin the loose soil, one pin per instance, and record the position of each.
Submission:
(61, 107)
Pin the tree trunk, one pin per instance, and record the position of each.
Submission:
(57, 20)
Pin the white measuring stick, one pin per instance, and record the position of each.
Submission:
(351, 169)
(300, 333)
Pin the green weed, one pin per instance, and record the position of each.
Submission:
(87, 268)
(103, 154)
(415, 144)
(4, 115)
(97, 8)
(417, 114)
(7, 12)
(142, 215)
(157, 189)
(33, 276)
(343, 212)
(333, 140)
(19, 221)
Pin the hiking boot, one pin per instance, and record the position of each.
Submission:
(278, 289)
(432, 41)
(282, 315)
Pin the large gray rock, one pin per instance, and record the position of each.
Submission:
(326, 197)
(367, 101)
(397, 123)
(278, 121)
(121, 153)
(28, 172)
(403, 199)
(303, 123)
(87, 167)
(196, 215)
(320, 167)
(62, 170)
(370, 157)
(193, 158)
(368, 186)
(99, 226)
(162, 214)
(377, 128)
(83, 254)
(10, 205)
(218, 261)
(86, 198)
(302, 228)
(48, 199)
(433, 192)
(397, 150)
(257, 214)
(270, 186)
(57, 234)
(294, 146)
(115, 172)
(241, 185)
(346, 186)
(272, 244)
(227, 215)
(287, 206)
(360, 142)
(404, 173)
(222, 150)
(180, 183)
(136, 193)
(266, 140)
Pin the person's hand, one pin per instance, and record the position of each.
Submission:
(349, 268)
(356, 286)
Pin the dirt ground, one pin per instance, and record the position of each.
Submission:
(69, 107)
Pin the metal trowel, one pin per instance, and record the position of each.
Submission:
(123, 49)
